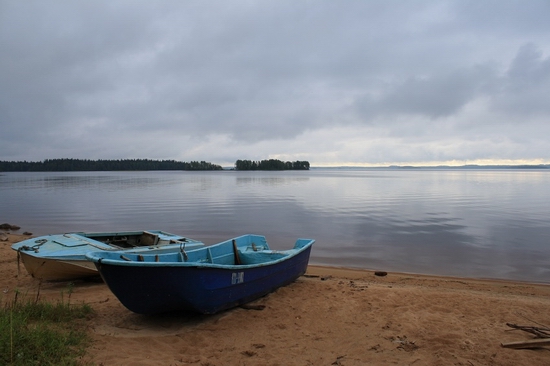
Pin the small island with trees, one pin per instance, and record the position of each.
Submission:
(271, 164)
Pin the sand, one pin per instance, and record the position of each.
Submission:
(330, 316)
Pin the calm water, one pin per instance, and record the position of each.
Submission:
(489, 223)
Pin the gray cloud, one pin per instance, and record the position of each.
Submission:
(223, 80)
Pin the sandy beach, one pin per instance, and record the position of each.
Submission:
(330, 316)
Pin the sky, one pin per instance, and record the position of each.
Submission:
(363, 83)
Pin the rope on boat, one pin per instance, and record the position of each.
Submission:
(35, 247)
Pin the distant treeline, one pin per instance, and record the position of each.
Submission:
(67, 165)
(271, 164)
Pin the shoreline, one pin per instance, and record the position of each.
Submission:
(331, 315)
(352, 271)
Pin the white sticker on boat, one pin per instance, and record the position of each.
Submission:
(237, 277)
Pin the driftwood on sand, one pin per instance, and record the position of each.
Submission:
(542, 337)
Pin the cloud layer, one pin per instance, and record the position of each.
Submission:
(352, 82)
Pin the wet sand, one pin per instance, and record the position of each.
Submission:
(330, 316)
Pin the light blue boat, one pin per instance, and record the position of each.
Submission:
(206, 280)
(62, 257)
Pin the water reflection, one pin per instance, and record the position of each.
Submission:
(471, 223)
(270, 181)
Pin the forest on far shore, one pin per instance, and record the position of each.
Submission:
(68, 165)
(271, 164)
(74, 165)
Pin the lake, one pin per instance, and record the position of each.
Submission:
(472, 223)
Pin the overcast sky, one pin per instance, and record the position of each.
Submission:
(366, 82)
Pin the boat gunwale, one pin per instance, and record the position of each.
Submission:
(289, 253)
(88, 239)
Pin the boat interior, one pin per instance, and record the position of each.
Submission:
(227, 253)
(232, 252)
(136, 239)
(206, 256)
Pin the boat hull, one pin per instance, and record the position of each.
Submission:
(203, 288)
(48, 269)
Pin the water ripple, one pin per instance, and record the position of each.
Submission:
(480, 223)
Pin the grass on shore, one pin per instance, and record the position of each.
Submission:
(35, 332)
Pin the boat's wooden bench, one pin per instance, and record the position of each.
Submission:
(214, 255)
(172, 257)
(147, 239)
(221, 255)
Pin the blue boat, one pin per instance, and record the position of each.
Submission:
(62, 257)
(205, 280)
